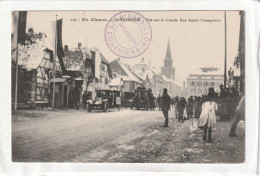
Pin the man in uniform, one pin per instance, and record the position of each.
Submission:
(181, 107)
(166, 103)
(223, 104)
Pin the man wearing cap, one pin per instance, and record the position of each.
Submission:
(166, 103)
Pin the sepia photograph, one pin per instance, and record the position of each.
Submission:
(115, 86)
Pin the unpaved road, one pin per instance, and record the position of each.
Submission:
(118, 136)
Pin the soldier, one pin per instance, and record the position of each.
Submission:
(166, 103)
(137, 100)
(223, 106)
(189, 108)
(159, 102)
(197, 106)
(172, 101)
(176, 102)
(152, 103)
(146, 101)
(181, 107)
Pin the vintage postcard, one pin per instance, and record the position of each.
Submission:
(129, 86)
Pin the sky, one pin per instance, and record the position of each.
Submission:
(193, 44)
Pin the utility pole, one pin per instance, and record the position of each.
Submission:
(54, 64)
(225, 63)
(16, 66)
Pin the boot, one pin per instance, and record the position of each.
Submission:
(209, 135)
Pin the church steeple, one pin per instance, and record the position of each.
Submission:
(168, 52)
(168, 70)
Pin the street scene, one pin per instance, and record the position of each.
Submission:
(128, 86)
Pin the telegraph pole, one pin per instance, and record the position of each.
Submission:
(225, 63)
(16, 66)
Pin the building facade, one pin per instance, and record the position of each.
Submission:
(152, 79)
(124, 78)
(201, 80)
(36, 67)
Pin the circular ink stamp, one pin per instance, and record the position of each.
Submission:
(128, 34)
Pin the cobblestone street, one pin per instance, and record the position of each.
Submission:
(119, 136)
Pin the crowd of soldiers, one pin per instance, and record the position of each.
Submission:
(227, 101)
(145, 100)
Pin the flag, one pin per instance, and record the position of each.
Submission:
(15, 30)
(97, 64)
(57, 35)
(19, 27)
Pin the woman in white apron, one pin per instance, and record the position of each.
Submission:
(207, 118)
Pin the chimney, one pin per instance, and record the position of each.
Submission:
(30, 31)
(79, 45)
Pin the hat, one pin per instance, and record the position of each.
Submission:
(164, 90)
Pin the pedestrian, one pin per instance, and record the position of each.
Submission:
(166, 103)
(172, 101)
(234, 100)
(189, 108)
(136, 101)
(197, 107)
(223, 106)
(146, 101)
(181, 108)
(84, 99)
(159, 102)
(239, 115)
(176, 102)
(207, 118)
(77, 98)
(152, 103)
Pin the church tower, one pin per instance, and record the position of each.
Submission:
(168, 70)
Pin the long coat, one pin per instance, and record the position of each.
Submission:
(166, 102)
(208, 114)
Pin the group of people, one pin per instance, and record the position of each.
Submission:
(228, 103)
(145, 100)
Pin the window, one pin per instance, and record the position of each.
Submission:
(205, 84)
(212, 84)
(192, 83)
(199, 84)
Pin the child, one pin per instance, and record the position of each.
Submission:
(207, 118)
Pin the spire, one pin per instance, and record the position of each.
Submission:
(168, 52)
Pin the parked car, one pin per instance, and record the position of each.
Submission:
(128, 98)
(105, 99)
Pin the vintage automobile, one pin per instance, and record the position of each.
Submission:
(139, 98)
(127, 99)
(105, 99)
